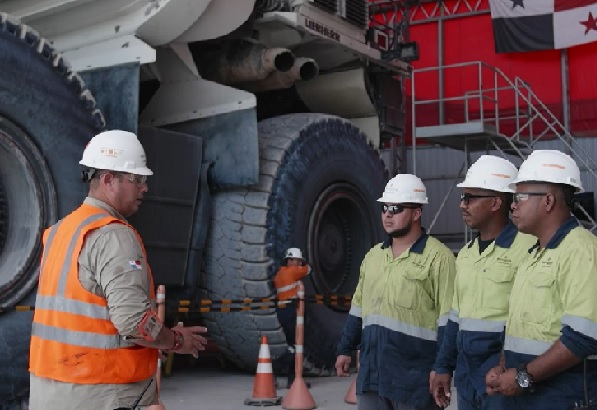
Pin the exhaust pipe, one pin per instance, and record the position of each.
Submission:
(243, 61)
(304, 69)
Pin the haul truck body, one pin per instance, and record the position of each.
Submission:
(261, 120)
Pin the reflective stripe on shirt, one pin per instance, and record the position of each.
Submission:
(526, 346)
(580, 324)
(480, 325)
(397, 326)
(355, 311)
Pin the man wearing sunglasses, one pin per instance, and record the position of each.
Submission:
(550, 344)
(400, 306)
(485, 270)
(95, 334)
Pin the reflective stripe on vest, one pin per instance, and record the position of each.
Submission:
(69, 254)
(287, 280)
(83, 339)
(72, 338)
(286, 288)
(76, 307)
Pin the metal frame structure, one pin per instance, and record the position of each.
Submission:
(529, 109)
(391, 18)
(425, 11)
(389, 28)
(484, 129)
(436, 10)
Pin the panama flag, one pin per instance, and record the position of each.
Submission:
(528, 25)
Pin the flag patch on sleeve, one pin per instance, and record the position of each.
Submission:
(136, 265)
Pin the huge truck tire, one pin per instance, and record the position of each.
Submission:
(319, 182)
(46, 118)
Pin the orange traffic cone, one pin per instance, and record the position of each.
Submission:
(264, 387)
(299, 397)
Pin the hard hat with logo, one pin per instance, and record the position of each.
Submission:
(490, 172)
(404, 188)
(549, 166)
(294, 253)
(116, 150)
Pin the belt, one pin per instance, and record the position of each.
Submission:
(580, 367)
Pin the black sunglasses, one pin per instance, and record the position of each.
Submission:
(466, 198)
(396, 209)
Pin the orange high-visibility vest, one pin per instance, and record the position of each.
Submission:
(287, 281)
(72, 338)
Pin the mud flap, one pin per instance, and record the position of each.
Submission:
(167, 220)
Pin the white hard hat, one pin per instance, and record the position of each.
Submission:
(294, 253)
(404, 188)
(490, 172)
(116, 151)
(549, 166)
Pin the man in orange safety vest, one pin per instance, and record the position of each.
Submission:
(287, 281)
(95, 334)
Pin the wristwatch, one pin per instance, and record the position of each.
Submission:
(524, 379)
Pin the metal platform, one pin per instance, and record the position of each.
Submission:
(498, 114)
(470, 137)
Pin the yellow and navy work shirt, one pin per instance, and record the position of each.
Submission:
(402, 305)
(554, 297)
(473, 337)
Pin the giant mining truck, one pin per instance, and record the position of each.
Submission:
(261, 119)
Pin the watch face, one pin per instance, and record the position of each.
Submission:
(523, 380)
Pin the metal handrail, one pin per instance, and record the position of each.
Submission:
(522, 92)
(528, 108)
(564, 135)
(480, 66)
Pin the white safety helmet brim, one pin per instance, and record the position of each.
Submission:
(577, 188)
(549, 166)
(294, 253)
(136, 171)
(389, 199)
(491, 173)
(118, 151)
(506, 189)
(404, 189)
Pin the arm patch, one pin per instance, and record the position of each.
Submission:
(150, 326)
